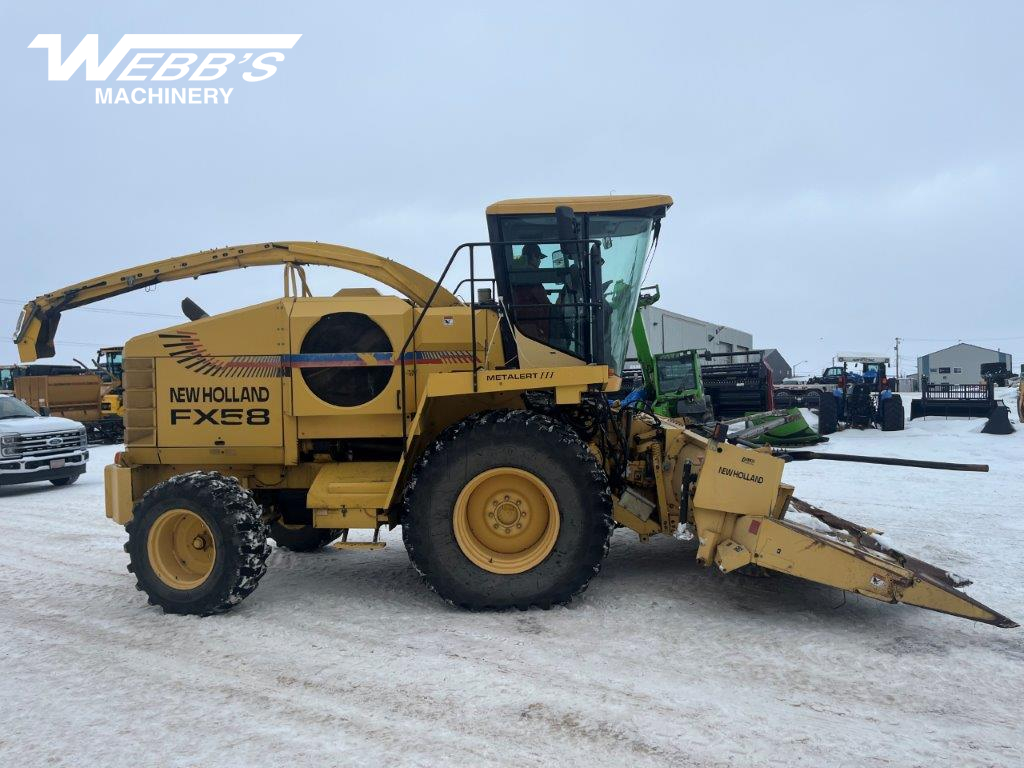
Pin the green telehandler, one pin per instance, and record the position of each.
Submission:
(673, 388)
(672, 381)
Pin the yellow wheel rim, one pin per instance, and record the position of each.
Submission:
(181, 549)
(506, 520)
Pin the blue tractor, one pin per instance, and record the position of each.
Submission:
(861, 399)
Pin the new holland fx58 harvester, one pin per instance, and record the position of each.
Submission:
(479, 425)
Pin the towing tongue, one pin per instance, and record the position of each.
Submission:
(834, 551)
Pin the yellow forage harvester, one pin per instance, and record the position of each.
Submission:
(480, 424)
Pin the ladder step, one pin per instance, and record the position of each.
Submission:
(370, 545)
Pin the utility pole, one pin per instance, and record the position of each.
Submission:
(897, 357)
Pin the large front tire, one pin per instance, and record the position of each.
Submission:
(197, 543)
(507, 510)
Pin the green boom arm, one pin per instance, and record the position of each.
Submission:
(640, 341)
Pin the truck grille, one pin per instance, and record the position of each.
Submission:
(44, 443)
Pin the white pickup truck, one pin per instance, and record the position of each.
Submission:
(35, 448)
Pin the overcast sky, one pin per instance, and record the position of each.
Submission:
(842, 175)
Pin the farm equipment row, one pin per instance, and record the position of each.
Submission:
(737, 386)
(688, 384)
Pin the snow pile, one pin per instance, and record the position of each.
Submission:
(345, 658)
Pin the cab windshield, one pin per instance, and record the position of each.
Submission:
(625, 242)
(13, 408)
(114, 363)
(676, 372)
(549, 293)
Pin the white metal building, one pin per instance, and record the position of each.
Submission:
(671, 332)
(959, 364)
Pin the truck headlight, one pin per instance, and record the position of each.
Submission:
(83, 437)
(8, 444)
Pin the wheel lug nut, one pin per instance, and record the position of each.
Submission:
(508, 530)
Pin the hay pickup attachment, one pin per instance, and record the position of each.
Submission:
(972, 400)
(814, 544)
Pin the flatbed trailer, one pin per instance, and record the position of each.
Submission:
(788, 395)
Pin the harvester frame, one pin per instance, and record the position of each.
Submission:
(489, 438)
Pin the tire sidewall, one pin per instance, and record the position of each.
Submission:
(218, 585)
(827, 414)
(893, 414)
(429, 532)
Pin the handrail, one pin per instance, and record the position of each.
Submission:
(473, 305)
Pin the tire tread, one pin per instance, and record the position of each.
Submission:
(513, 424)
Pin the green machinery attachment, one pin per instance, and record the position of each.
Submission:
(672, 382)
(794, 430)
(674, 388)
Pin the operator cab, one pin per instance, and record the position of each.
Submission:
(872, 371)
(568, 271)
(835, 372)
(111, 360)
(676, 371)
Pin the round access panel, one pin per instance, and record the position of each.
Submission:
(331, 364)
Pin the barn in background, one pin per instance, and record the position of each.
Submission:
(780, 368)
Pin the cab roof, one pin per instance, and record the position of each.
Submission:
(581, 204)
(853, 357)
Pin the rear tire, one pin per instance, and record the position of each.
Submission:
(301, 538)
(893, 416)
(197, 543)
(828, 414)
(509, 509)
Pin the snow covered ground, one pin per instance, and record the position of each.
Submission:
(345, 658)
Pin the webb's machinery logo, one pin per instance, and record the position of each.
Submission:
(169, 58)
